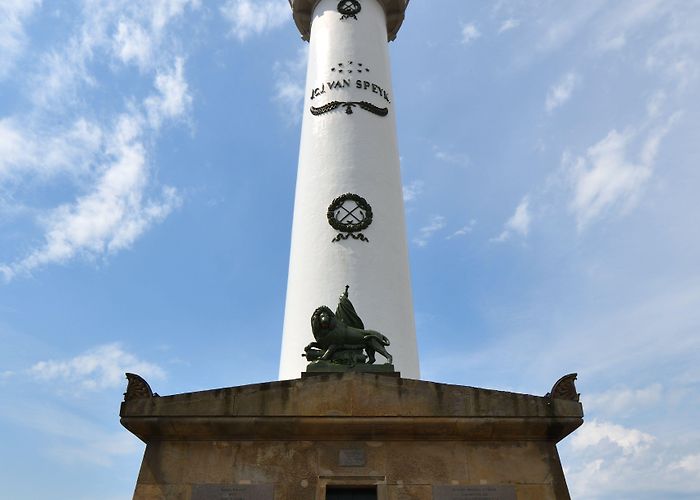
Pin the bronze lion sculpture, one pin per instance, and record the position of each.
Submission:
(341, 337)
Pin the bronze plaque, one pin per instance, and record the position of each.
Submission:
(474, 493)
(232, 492)
(352, 458)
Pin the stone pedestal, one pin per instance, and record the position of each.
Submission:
(299, 439)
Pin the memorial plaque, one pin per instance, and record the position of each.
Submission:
(232, 492)
(352, 458)
(474, 493)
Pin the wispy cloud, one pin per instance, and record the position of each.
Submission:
(113, 199)
(140, 32)
(117, 211)
(656, 103)
(606, 176)
(688, 463)
(622, 400)
(289, 84)
(437, 223)
(463, 231)
(620, 21)
(508, 25)
(675, 53)
(28, 153)
(470, 33)
(629, 440)
(616, 461)
(249, 17)
(100, 368)
(412, 191)
(172, 99)
(460, 159)
(127, 32)
(519, 222)
(13, 39)
(560, 92)
(562, 27)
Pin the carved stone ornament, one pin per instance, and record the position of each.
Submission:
(350, 214)
(333, 105)
(565, 388)
(341, 337)
(349, 9)
(137, 388)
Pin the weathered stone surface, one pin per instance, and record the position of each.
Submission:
(336, 406)
(474, 493)
(228, 492)
(410, 435)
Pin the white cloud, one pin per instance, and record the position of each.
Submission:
(114, 201)
(100, 368)
(139, 33)
(437, 223)
(248, 17)
(630, 441)
(173, 98)
(470, 33)
(289, 84)
(13, 39)
(560, 92)
(28, 154)
(133, 44)
(127, 31)
(675, 54)
(606, 176)
(689, 463)
(508, 25)
(607, 460)
(109, 218)
(518, 223)
(464, 230)
(412, 191)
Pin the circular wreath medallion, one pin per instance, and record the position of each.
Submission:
(350, 213)
(349, 7)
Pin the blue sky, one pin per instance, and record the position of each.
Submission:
(147, 167)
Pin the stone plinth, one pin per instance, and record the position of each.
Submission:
(294, 438)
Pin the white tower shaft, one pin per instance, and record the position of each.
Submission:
(349, 146)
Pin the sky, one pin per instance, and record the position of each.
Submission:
(549, 157)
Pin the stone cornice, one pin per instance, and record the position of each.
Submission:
(394, 9)
(351, 406)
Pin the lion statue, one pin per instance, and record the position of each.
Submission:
(342, 338)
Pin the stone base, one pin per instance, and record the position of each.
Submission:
(327, 367)
(297, 439)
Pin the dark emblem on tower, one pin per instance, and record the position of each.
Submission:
(367, 106)
(349, 9)
(350, 214)
(341, 340)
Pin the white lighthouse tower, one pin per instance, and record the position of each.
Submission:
(349, 226)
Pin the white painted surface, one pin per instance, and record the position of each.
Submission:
(355, 153)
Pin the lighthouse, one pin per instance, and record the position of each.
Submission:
(349, 225)
(342, 423)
